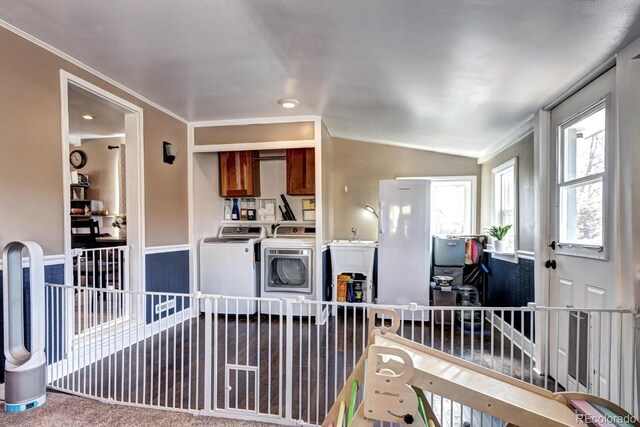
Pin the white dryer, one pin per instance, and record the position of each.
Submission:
(288, 266)
(230, 266)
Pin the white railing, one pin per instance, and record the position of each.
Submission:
(104, 269)
(191, 353)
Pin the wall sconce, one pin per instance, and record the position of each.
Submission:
(168, 152)
(372, 210)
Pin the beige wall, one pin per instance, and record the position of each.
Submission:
(360, 165)
(238, 134)
(102, 170)
(523, 150)
(31, 167)
(273, 183)
(166, 201)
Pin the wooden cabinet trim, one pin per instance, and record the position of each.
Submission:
(239, 174)
(301, 172)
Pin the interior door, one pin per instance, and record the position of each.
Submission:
(581, 267)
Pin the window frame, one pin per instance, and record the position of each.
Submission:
(472, 181)
(496, 212)
(582, 250)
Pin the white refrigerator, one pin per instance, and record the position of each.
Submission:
(404, 241)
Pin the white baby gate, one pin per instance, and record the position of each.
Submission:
(96, 272)
(157, 350)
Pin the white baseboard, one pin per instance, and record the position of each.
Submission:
(527, 255)
(165, 249)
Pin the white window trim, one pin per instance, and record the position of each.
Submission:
(578, 249)
(512, 255)
(474, 191)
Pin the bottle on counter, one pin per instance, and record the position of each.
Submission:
(235, 211)
(357, 291)
(243, 209)
(251, 211)
(351, 294)
(227, 209)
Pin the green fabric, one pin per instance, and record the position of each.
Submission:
(611, 415)
(352, 402)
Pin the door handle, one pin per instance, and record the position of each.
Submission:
(550, 263)
(552, 245)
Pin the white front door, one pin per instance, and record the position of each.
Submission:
(583, 276)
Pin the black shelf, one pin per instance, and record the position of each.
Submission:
(472, 274)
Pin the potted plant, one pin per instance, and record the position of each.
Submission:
(120, 222)
(498, 232)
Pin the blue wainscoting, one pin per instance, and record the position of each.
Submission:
(166, 272)
(52, 274)
(511, 285)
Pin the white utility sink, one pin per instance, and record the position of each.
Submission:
(353, 257)
(353, 243)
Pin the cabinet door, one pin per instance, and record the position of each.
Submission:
(301, 172)
(239, 174)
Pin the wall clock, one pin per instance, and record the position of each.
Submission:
(78, 159)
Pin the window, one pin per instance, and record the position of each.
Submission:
(581, 179)
(505, 200)
(453, 204)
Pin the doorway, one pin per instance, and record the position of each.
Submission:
(97, 164)
(582, 235)
(102, 184)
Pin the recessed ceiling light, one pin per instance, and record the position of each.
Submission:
(87, 116)
(288, 103)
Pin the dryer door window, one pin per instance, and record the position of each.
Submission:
(288, 270)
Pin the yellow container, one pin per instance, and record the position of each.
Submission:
(341, 294)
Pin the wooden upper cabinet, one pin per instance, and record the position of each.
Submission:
(239, 174)
(301, 172)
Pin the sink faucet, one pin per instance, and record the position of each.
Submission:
(354, 235)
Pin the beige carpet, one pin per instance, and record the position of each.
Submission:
(66, 410)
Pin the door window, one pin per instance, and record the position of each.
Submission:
(581, 181)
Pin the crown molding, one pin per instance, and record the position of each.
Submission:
(87, 68)
(525, 128)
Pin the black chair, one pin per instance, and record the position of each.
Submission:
(84, 233)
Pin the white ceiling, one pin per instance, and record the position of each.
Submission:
(454, 76)
(108, 118)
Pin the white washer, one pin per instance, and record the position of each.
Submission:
(288, 266)
(230, 266)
